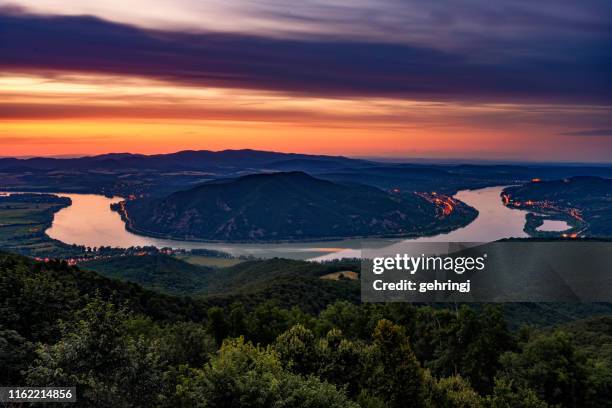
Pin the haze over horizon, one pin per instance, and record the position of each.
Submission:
(374, 158)
(465, 80)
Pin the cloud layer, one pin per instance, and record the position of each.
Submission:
(527, 80)
(590, 132)
(310, 66)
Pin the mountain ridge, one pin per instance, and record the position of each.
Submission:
(184, 159)
(282, 206)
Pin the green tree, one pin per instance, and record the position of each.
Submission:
(247, 376)
(31, 301)
(267, 321)
(108, 368)
(237, 320)
(15, 355)
(452, 392)
(470, 346)
(186, 343)
(296, 350)
(599, 379)
(217, 324)
(506, 395)
(367, 400)
(341, 361)
(394, 374)
(480, 360)
(552, 367)
(355, 321)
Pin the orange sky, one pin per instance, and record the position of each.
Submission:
(508, 80)
(53, 114)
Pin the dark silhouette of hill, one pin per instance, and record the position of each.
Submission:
(202, 160)
(161, 174)
(586, 198)
(280, 206)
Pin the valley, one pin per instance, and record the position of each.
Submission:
(191, 301)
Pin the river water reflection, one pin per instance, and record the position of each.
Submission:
(90, 222)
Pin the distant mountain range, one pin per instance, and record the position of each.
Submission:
(135, 174)
(284, 206)
(224, 161)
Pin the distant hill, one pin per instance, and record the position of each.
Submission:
(159, 272)
(225, 161)
(574, 189)
(41, 293)
(127, 174)
(588, 198)
(284, 206)
(449, 179)
(289, 282)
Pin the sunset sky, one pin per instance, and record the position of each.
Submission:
(510, 80)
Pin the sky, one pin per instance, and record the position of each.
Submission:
(516, 80)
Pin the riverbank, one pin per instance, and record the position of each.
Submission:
(24, 218)
(454, 221)
(89, 221)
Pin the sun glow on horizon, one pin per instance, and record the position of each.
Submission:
(56, 114)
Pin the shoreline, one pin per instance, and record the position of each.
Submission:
(117, 207)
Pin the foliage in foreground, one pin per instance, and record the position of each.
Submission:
(121, 351)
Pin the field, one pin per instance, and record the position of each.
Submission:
(341, 275)
(23, 221)
(211, 261)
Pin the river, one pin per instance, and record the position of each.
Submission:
(553, 226)
(90, 222)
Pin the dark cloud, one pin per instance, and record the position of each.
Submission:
(590, 132)
(576, 73)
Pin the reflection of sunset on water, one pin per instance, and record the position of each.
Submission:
(89, 221)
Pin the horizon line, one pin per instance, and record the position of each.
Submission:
(378, 158)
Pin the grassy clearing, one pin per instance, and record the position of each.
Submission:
(341, 275)
(209, 261)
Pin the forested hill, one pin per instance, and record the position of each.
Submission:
(123, 346)
(289, 282)
(224, 161)
(128, 174)
(287, 206)
(584, 201)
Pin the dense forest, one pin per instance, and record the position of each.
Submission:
(246, 279)
(125, 346)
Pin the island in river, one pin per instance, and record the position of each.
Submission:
(292, 206)
(89, 223)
